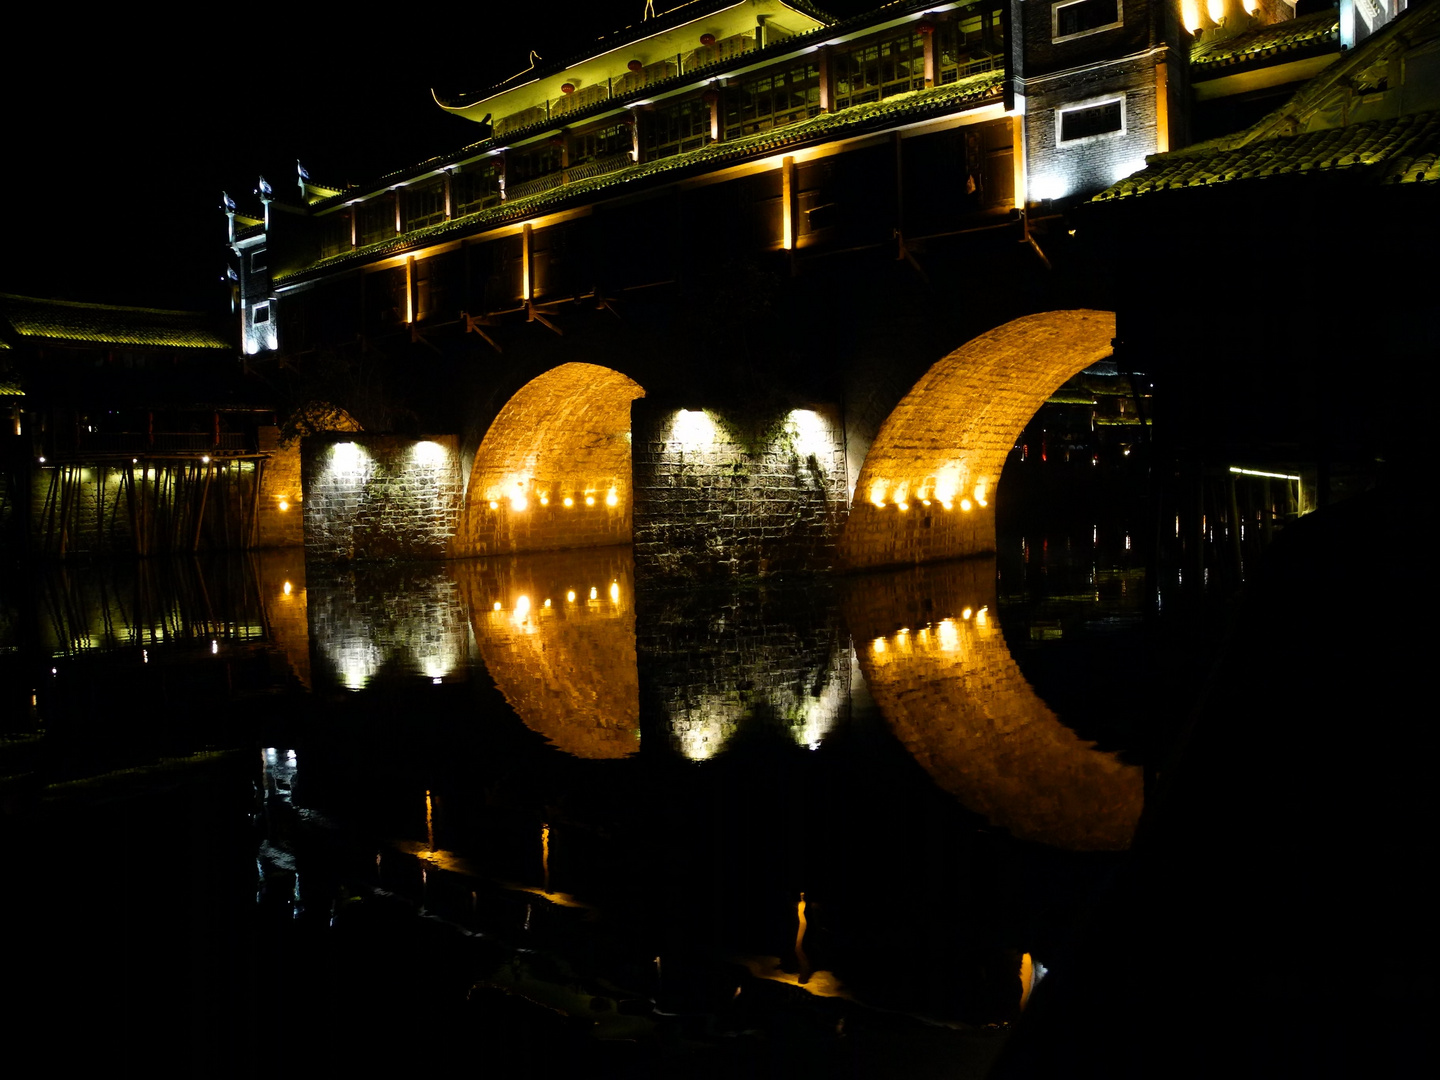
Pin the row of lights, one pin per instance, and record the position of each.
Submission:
(521, 501)
(944, 635)
(877, 498)
(522, 602)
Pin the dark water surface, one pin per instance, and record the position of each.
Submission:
(277, 820)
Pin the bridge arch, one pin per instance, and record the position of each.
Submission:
(553, 470)
(927, 488)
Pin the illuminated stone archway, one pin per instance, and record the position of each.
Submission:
(553, 471)
(927, 489)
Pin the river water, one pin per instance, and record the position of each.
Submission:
(296, 817)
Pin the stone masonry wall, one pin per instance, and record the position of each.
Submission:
(379, 496)
(928, 486)
(1086, 165)
(708, 505)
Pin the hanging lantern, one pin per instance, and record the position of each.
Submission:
(707, 40)
(567, 88)
(635, 65)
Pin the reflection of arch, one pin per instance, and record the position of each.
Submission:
(557, 634)
(938, 668)
(553, 471)
(927, 487)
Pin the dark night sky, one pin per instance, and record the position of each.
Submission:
(119, 144)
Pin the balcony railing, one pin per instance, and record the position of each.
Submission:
(572, 175)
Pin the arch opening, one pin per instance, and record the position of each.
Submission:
(553, 471)
(928, 486)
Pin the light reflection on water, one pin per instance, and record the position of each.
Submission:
(748, 700)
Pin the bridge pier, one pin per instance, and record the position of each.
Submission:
(727, 492)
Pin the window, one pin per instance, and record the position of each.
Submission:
(1081, 17)
(879, 70)
(599, 143)
(676, 128)
(773, 100)
(1090, 120)
(377, 219)
(424, 204)
(334, 234)
(477, 186)
(257, 261)
(262, 313)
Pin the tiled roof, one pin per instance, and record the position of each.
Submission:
(107, 324)
(1398, 151)
(780, 47)
(657, 24)
(856, 120)
(1291, 39)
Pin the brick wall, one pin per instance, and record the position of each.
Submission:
(280, 483)
(947, 439)
(1085, 166)
(564, 435)
(935, 660)
(379, 496)
(712, 501)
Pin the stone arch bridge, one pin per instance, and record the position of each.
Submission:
(582, 456)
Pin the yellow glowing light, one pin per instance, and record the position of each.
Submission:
(966, 504)
(615, 591)
(1216, 8)
(589, 500)
(284, 505)
(1257, 472)
(205, 460)
(522, 608)
(966, 613)
(544, 500)
(925, 502)
(1250, 6)
(569, 501)
(903, 505)
(289, 588)
(497, 605)
(949, 634)
(547, 601)
(494, 505)
(570, 596)
(594, 593)
(1190, 14)
(517, 501)
(980, 494)
(948, 505)
(612, 499)
(980, 616)
(878, 645)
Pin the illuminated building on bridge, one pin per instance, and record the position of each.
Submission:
(629, 223)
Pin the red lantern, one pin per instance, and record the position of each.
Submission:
(635, 65)
(707, 40)
(926, 27)
(567, 88)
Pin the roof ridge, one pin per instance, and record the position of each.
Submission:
(102, 307)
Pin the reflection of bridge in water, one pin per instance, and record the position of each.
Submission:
(588, 667)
